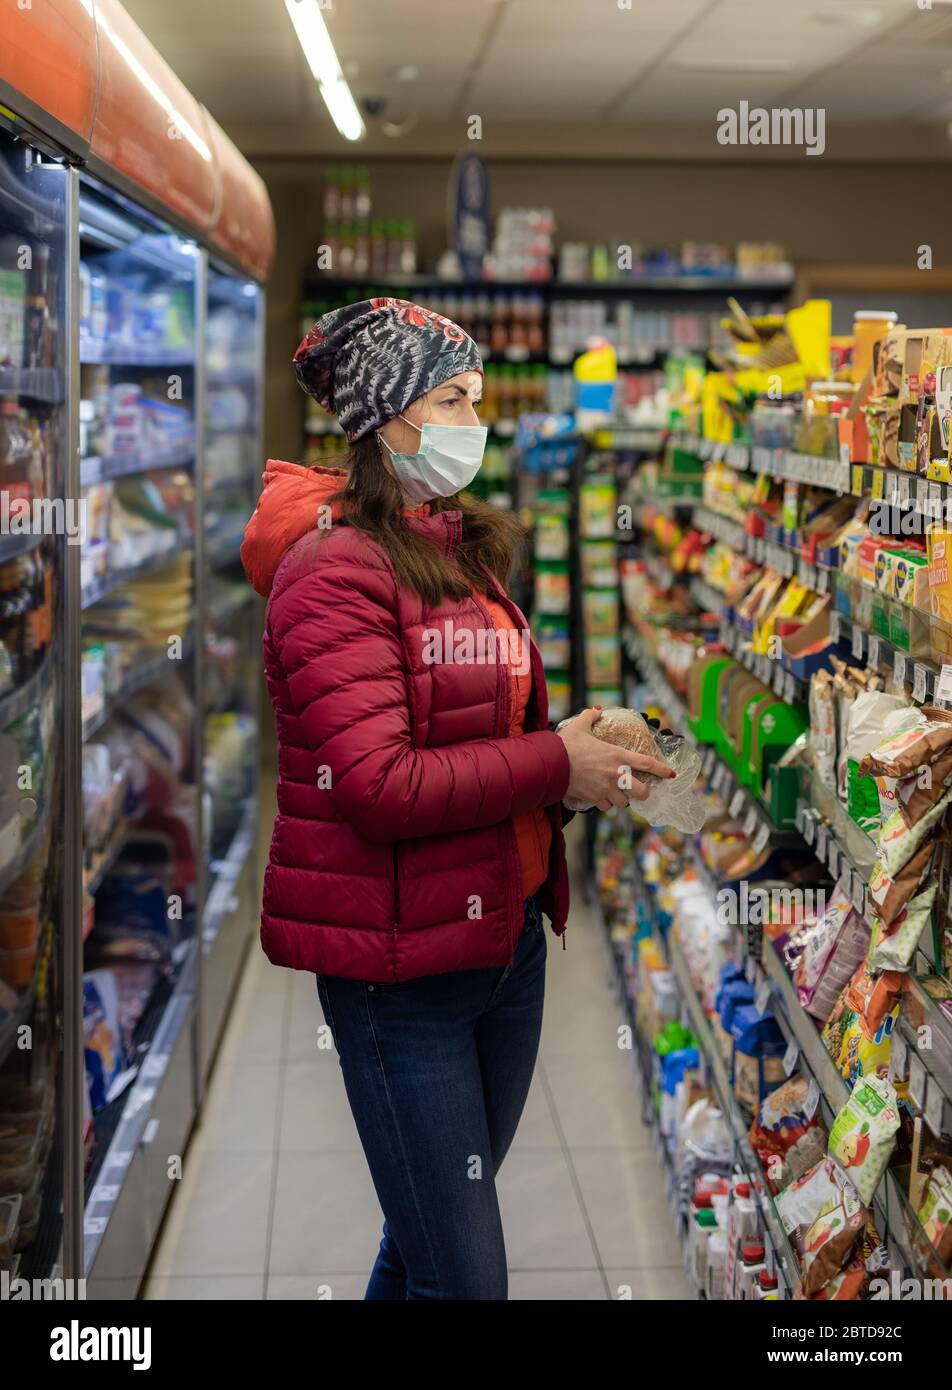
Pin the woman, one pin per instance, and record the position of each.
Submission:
(419, 831)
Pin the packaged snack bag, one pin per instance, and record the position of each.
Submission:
(850, 950)
(899, 841)
(858, 1035)
(891, 947)
(779, 1125)
(866, 727)
(913, 746)
(823, 1188)
(819, 941)
(935, 1213)
(823, 727)
(828, 1245)
(863, 1135)
(891, 894)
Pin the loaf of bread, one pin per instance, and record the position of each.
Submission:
(626, 729)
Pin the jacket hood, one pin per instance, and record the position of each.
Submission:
(287, 509)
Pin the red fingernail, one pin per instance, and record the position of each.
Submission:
(596, 706)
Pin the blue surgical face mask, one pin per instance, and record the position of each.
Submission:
(449, 459)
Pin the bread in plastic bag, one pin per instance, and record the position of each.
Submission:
(671, 801)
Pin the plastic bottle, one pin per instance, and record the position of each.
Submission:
(362, 199)
(408, 250)
(751, 1265)
(765, 1285)
(332, 195)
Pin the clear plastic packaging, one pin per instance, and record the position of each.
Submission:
(671, 802)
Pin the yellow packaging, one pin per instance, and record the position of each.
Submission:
(939, 551)
(886, 572)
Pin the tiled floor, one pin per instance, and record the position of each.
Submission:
(276, 1200)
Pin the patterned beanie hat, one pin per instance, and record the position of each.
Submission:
(366, 362)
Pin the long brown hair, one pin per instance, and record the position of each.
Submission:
(373, 502)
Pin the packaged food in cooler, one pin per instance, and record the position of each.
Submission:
(102, 1034)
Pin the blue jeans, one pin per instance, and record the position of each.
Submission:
(437, 1071)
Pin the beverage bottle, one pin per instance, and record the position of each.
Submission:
(332, 195)
(408, 250)
(346, 193)
(378, 249)
(362, 200)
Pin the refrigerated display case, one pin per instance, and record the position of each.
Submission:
(232, 451)
(140, 309)
(131, 316)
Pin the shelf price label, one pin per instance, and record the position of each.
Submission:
(762, 997)
(899, 668)
(822, 837)
(789, 688)
(917, 1081)
(943, 686)
(832, 856)
(809, 829)
(812, 1099)
(933, 1107)
(919, 682)
(737, 802)
(823, 581)
(835, 626)
(791, 1057)
(858, 892)
(750, 821)
(874, 655)
(857, 644)
(761, 838)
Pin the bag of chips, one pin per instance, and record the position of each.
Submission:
(858, 1035)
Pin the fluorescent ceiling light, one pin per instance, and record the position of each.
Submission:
(856, 18)
(322, 60)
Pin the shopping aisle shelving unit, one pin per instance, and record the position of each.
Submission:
(131, 371)
(822, 826)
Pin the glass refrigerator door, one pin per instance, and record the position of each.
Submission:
(35, 529)
(231, 471)
(138, 412)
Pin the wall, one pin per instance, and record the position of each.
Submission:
(825, 213)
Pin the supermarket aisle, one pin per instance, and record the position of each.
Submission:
(276, 1199)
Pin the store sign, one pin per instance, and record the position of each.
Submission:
(470, 229)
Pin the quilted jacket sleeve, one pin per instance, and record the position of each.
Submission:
(333, 633)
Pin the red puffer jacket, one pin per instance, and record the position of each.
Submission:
(393, 853)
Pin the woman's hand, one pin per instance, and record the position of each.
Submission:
(599, 773)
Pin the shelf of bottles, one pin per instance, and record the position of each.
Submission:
(33, 552)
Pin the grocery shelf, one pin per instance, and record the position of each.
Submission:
(101, 354)
(737, 1122)
(95, 469)
(19, 862)
(722, 528)
(224, 609)
(94, 876)
(705, 595)
(738, 800)
(226, 871)
(736, 455)
(21, 698)
(103, 586)
(14, 545)
(877, 650)
(783, 683)
(152, 1104)
(149, 671)
(717, 282)
(44, 384)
